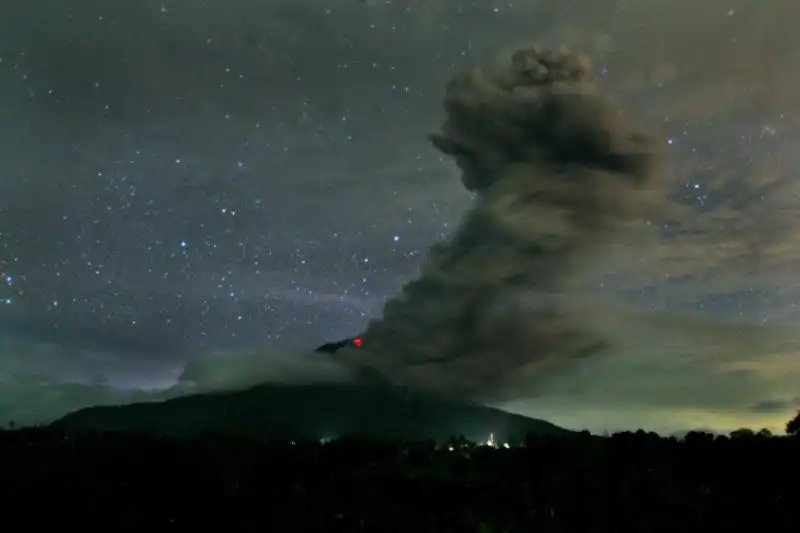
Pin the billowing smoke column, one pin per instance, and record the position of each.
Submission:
(557, 171)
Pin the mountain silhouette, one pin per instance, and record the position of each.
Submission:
(312, 411)
(333, 347)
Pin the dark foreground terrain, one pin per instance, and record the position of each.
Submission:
(312, 411)
(575, 483)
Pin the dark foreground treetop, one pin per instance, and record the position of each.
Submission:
(574, 483)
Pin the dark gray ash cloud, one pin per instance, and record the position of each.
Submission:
(557, 170)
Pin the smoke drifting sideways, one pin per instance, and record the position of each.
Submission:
(558, 172)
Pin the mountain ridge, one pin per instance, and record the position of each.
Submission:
(311, 411)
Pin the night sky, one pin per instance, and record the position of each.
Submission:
(233, 182)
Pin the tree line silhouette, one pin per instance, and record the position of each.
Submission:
(631, 481)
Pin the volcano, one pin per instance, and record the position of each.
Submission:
(311, 411)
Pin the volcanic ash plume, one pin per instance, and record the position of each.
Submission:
(558, 171)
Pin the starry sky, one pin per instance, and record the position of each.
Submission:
(213, 188)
